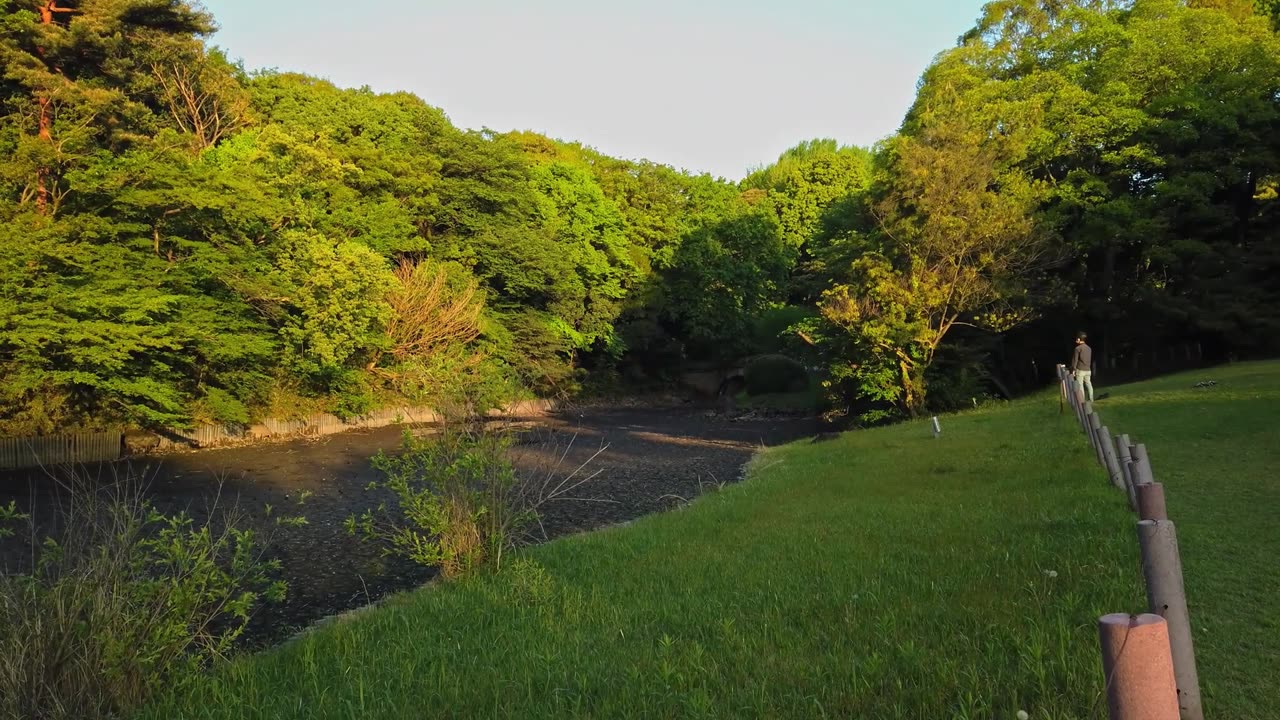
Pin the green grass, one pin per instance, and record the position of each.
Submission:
(883, 574)
(1217, 451)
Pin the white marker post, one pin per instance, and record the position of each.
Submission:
(937, 429)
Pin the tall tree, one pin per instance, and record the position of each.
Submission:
(952, 242)
(806, 181)
(68, 67)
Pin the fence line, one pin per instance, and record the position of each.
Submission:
(319, 424)
(1140, 686)
(82, 447)
(89, 447)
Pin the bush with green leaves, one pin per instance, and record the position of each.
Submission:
(120, 601)
(775, 374)
(770, 329)
(460, 500)
(451, 492)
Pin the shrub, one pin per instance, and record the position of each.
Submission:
(447, 490)
(351, 393)
(460, 501)
(775, 374)
(957, 379)
(120, 601)
(770, 328)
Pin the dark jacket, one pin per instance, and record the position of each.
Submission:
(1082, 358)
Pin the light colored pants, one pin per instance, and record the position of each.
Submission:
(1084, 378)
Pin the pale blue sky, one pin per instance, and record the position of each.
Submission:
(706, 85)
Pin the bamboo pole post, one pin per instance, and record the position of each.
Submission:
(1095, 427)
(1125, 458)
(1109, 458)
(1142, 465)
(1166, 597)
(1062, 390)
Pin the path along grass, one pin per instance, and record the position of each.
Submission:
(883, 574)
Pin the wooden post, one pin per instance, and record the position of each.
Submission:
(1062, 388)
(1151, 502)
(1166, 597)
(1125, 458)
(1095, 426)
(1109, 457)
(1142, 465)
(1138, 667)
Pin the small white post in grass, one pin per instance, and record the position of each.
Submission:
(937, 429)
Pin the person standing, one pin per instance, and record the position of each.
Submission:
(1082, 365)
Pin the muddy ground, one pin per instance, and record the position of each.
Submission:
(653, 459)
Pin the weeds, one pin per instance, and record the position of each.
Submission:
(118, 600)
(460, 500)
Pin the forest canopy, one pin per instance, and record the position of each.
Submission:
(185, 241)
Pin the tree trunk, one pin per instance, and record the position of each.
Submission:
(912, 387)
(42, 172)
(45, 124)
(1245, 207)
(45, 105)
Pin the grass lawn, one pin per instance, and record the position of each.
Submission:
(883, 574)
(1217, 451)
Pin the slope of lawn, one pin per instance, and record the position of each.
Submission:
(883, 574)
(1217, 451)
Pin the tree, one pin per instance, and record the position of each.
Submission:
(431, 309)
(202, 92)
(806, 181)
(954, 242)
(724, 276)
(335, 292)
(588, 229)
(69, 66)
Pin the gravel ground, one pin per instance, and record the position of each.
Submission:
(652, 460)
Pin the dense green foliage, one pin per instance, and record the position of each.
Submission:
(186, 241)
(183, 241)
(455, 493)
(1110, 166)
(770, 374)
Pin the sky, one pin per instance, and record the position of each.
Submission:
(704, 85)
